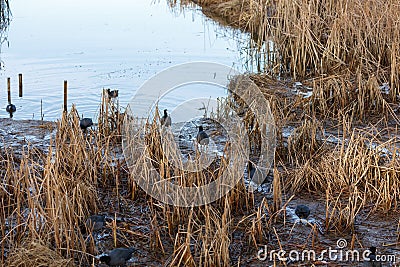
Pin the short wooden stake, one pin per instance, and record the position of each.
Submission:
(65, 96)
(20, 84)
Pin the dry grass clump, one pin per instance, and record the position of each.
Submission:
(47, 197)
(359, 170)
(202, 236)
(110, 119)
(322, 37)
(35, 254)
(204, 241)
(355, 170)
(354, 174)
(169, 167)
(199, 236)
(313, 38)
(355, 167)
(344, 95)
(342, 208)
(305, 142)
(356, 162)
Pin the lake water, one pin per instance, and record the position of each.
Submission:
(101, 44)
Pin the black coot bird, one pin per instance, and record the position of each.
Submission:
(166, 119)
(11, 108)
(202, 137)
(95, 222)
(371, 262)
(85, 123)
(302, 211)
(112, 94)
(117, 257)
(250, 170)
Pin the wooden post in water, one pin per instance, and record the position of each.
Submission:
(41, 109)
(9, 89)
(20, 84)
(65, 95)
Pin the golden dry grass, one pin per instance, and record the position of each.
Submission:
(348, 48)
(322, 37)
(34, 254)
(47, 197)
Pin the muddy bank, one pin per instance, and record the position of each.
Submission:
(18, 135)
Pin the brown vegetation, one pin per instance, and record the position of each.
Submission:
(342, 149)
(313, 37)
